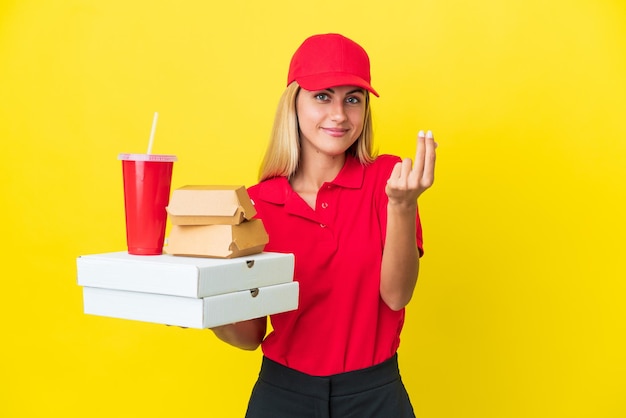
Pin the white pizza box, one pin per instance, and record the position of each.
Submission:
(187, 312)
(192, 277)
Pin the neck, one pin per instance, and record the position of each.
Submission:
(312, 173)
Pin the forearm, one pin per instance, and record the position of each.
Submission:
(246, 335)
(400, 263)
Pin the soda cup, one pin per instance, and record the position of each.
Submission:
(147, 182)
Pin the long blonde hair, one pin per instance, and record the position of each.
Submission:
(283, 151)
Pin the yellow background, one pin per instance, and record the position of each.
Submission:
(519, 311)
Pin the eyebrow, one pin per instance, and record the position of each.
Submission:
(358, 90)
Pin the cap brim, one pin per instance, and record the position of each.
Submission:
(325, 81)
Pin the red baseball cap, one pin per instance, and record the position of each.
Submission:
(330, 60)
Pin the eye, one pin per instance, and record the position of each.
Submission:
(353, 100)
(321, 97)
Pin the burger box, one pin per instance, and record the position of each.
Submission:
(187, 291)
(214, 221)
(210, 205)
(220, 241)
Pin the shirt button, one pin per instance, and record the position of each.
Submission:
(323, 225)
(324, 205)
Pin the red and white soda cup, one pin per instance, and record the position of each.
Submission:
(147, 182)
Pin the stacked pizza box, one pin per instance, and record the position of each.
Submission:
(214, 271)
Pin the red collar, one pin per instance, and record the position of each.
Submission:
(277, 190)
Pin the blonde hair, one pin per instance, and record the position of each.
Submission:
(283, 151)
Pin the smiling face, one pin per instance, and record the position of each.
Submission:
(330, 120)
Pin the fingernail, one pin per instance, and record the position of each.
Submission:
(429, 134)
(421, 134)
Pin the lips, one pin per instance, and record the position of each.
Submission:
(335, 131)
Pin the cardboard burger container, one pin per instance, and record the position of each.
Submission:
(220, 241)
(210, 205)
(214, 221)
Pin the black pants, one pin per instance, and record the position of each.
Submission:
(375, 392)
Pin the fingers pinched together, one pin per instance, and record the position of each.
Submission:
(408, 179)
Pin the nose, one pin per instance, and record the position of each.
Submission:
(337, 111)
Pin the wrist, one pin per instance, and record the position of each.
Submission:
(402, 207)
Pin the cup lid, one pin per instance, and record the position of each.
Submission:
(147, 157)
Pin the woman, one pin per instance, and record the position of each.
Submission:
(351, 220)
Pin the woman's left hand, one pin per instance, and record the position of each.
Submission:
(407, 180)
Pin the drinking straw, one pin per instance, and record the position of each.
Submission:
(154, 122)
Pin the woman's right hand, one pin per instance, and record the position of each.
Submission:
(247, 335)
